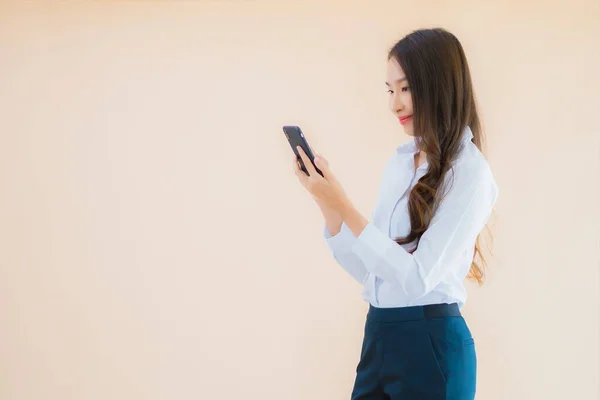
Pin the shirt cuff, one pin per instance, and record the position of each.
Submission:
(341, 242)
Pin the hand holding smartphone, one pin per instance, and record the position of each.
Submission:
(296, 138)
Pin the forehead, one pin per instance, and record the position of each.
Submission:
(394, 71)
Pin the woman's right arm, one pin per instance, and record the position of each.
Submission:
(333, 220)
(340, 241)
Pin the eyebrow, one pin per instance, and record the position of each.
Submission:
(397, 81)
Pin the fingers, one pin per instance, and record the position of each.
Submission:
(307, 164)
(298, 170)
(323, 166)
(296, 165)
(320, 159)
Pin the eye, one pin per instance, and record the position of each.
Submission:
(405, 89)
(390, 91)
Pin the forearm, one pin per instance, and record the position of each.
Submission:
(353, 218)
(333, 219)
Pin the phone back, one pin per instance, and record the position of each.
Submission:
(296, 138)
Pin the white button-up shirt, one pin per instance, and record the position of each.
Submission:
(435, 272)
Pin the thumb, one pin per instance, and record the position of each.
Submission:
(319, 159)
(323, 165)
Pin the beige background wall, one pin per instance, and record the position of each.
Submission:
(154, 242)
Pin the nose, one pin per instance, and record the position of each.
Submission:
(396, 104)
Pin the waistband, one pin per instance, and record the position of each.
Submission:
(398, 314)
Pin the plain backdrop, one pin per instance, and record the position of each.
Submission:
(155, 243)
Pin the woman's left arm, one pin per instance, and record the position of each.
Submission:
(460, 217)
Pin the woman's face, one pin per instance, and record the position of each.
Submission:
(400, 97)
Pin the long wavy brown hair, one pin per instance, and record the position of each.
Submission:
(443, 105)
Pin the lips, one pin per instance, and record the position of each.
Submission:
(404, 120)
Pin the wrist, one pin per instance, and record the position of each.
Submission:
(346, 209)
(352, 218)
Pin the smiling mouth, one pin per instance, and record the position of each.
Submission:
(404, 120)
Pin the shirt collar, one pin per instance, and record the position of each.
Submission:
(411, 146)
(467, 134)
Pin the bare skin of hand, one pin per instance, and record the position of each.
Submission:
(328, 192)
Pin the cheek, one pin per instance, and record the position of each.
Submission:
(408, 102)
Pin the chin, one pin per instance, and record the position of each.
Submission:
(408, 130)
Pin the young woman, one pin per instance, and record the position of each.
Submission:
(435, 196)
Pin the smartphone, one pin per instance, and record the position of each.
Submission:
(296, 138)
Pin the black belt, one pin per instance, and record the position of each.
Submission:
(397, 314)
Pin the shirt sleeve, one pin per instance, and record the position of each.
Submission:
(341, 246)
(460, 217)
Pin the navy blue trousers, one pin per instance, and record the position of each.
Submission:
(414, 353)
